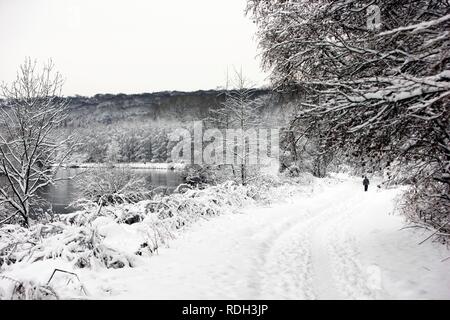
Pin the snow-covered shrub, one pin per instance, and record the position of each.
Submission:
(179, 210)
(199, 176)
(11, 289)
(293, 170)
(269, 188)
(83, 245)
(420, 208)
(103, 186)
(14, 238)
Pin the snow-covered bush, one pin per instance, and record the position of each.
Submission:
(11, 289)
(199, 176)
(83, 245)
(416, 206)
(102, 186)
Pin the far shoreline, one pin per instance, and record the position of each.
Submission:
(127, 165)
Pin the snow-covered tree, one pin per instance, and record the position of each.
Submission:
(129, 147)
(113, 151)
(159, 143)
(96, 146)
(240, 111)
(31, 151)
(379, 91)
(145, 152)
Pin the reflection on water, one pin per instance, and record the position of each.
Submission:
(65, 191)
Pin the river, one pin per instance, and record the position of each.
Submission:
(65, 191)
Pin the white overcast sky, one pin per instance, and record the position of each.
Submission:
(130, 46)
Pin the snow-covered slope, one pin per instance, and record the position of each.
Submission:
(336, 242)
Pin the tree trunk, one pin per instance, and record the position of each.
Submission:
(243, 174)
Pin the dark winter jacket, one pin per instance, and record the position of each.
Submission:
(366, 182)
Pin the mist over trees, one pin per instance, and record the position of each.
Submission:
(375, 88)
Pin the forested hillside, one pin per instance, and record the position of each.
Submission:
(135, 128)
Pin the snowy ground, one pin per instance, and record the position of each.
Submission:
(336, 242)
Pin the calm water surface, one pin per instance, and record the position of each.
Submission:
(65, 191)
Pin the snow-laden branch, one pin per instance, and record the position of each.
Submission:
(30, 152)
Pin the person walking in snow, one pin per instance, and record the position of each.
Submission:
(366, 183)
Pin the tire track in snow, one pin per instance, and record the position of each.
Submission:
(266, 277)
(349, 273)
(285, 265)
(286, 268)
(336, 257)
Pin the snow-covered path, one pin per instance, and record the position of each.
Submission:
(335, 243)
